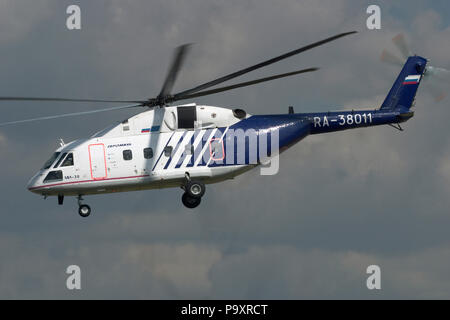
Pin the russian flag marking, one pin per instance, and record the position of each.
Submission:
(414, 79)
(152, 129)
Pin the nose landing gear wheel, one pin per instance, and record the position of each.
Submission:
(190, 202)
(84, 210)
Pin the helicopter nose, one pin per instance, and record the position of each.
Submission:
(32, 184)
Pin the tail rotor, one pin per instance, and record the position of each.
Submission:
(438, 78)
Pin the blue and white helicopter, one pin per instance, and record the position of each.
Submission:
(191, 145)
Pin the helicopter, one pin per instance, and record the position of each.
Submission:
(188, 146)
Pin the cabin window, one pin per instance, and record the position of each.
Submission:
(148, 153)
(50, 161)
(68, 161)
(168, 151)
(127, 155)
(54, 176)
(60, 160)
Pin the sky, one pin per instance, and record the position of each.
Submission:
(340, 202)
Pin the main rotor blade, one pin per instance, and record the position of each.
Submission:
(178, 59)
(71, 114)
(67, 100)
(206, 85)
(400, 42)
(248, 83)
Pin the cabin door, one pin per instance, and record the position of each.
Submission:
(97, 161)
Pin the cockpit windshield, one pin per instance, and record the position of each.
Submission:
(60, 160)
(50, 161)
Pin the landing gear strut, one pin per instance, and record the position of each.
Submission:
(83, 209)
(193, 192)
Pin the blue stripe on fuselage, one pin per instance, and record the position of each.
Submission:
(290, 129)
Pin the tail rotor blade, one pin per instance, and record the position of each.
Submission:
(400, 42)
(440, 97)
(390, 58)
(439, 73)
(437, 93)
(439, 80)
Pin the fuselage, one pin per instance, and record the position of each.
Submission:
(157, 148)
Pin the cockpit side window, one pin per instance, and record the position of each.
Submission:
(54, 176)
(50, 161)
(60, 160)
(68, 161)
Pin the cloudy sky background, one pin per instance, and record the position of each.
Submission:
(340, 202)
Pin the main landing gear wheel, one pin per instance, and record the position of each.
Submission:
(84, 210)
(193, 192)
(195, 189)
(190, 202)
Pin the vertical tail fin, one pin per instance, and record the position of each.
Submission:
(405, 87)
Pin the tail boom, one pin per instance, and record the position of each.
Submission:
(395, 109)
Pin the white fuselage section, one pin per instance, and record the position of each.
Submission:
(154, 149)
